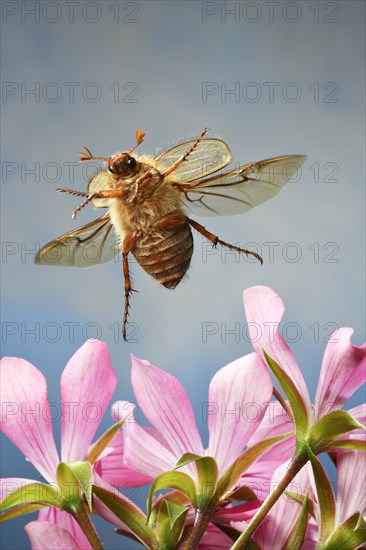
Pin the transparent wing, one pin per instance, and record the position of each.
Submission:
(99, 182)
(92, 244)
(239, 190)
(209, 156)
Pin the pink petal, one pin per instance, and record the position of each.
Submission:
(44, 535)
(264, 310)
(87, 384)
(351, 468)
(343, 371)
(275, 422)
(112, 469)
(273, 532)
(238, 397)
(26, 415)
(214, 539)
(240, 512)
(258, 476)
(143, 453)
(63, 520)
(166, 405)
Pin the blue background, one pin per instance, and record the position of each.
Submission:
(159, 57)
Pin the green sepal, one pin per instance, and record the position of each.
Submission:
(185, 459)
(170, 524)
(75, 480)
(129, 513)
(298, 406)
(348, 444)
(32, 493)
(297, 534)
(103, 442)
(243, 494)
(207, 473)
(125, 533)
(172, 480)
(329, 428)
(173, 496)
(20, 510)
(251, 545)
(230, 477)
(234, 535)
(229, 531)
(312, 506)
(176, 512)
(326, 499)
(349, 535)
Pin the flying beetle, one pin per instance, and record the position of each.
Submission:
(147, 199)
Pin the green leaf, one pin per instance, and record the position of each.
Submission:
(299, 409)
(170, 524)
(349, 535)
(103, 442)
(330, 427)
(127, 512)
(297, 534)
(326, 499)
(172, 480)
(231, 476)
(75, 480)
(36, 493)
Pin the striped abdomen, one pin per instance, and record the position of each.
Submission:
(168, 259)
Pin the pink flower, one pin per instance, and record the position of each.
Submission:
(343, 369)
(342, 373)
(351, 482)
(87, 384)
(238, 397)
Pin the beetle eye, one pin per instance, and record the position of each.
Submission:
(131, 162)
(111, 170)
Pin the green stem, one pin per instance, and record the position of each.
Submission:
(201, 520)
(88, 528)
(295, 466)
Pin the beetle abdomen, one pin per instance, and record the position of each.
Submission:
(168, 259)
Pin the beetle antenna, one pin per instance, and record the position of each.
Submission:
(139, 139)
(86, 155)
(186, 155)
